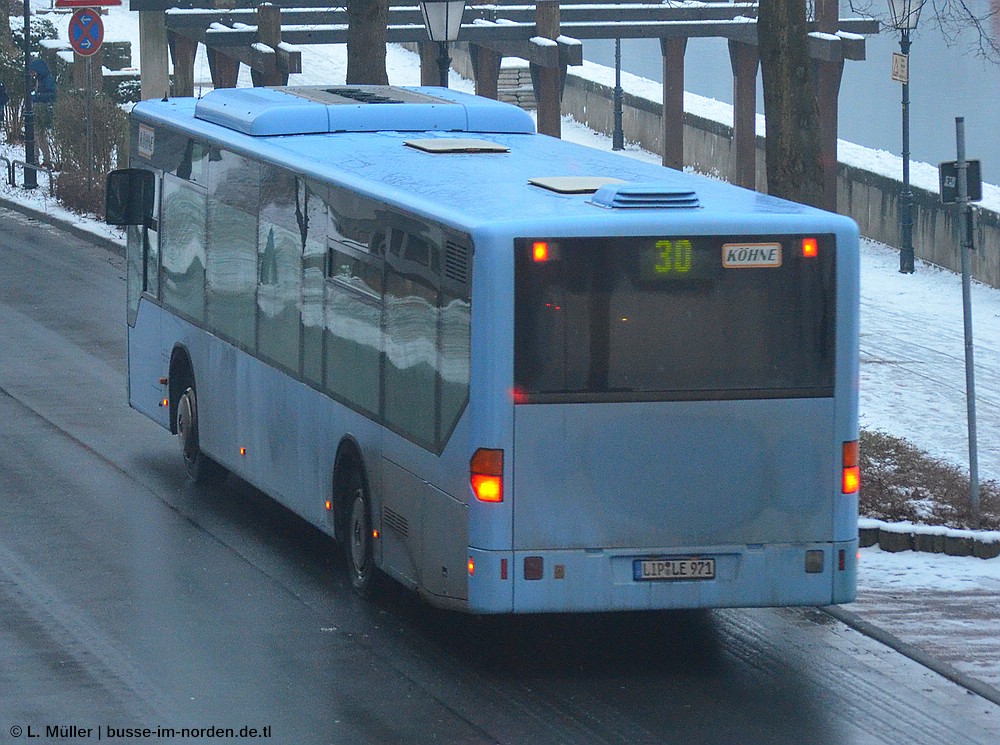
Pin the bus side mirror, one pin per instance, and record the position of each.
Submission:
(129, 198)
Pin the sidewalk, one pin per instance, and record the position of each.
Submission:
(945, 606)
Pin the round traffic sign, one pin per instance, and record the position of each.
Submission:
(86, 31)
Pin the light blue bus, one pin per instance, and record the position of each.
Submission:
(514, 374)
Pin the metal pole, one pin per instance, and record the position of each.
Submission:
(444, 63)
(970, 373)
(618, 134)
(906, 196)
(90, 124)
(30, 176)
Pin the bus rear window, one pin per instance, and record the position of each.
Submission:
(674, 318)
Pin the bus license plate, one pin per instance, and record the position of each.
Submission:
(673, 569)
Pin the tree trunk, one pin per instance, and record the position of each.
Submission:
(366, 35)
(6, 40)
(794, 169)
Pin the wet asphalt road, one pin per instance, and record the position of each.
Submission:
(131, 598)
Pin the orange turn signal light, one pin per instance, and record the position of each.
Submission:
(810, 247)
(486, 474)
(851, 479)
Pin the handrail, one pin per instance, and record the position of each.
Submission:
(10, 170)
(25, 165)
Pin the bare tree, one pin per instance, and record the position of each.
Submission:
(366, 38)
(6, 40)
(958, 20)
(794, 170)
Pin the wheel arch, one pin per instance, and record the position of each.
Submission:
(180, 377)
(347, 461)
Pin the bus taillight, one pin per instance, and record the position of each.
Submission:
(810, 248)
(486, 475)
(851, 481)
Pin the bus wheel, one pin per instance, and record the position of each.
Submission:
(360, 541)
(200, 467)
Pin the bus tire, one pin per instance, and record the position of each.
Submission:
(200, 468)
(360, 544)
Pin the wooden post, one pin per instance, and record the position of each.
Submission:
(828, 76)
(225, 70)
(673, 100)
(744, 60)
(548, 88)
(269, 33)
(153, 54)
(429, 73)
(486, 69)
(182, 50)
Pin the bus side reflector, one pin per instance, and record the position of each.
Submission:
(851, 481)
(810, 247)
(503, 569)
(486, 474)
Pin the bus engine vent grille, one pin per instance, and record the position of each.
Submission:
(644, 196)
(456, 262)
(395, 521)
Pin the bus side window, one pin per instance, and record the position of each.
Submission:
(352, 310)
(279, 268)
(315, 216)
(182, 248)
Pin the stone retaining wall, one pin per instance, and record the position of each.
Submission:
(897, 537)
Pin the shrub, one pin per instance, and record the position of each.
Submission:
(899, 482)
(84, 167)
(128, 91)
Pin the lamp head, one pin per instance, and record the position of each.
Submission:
(905, 13)
(442, 18)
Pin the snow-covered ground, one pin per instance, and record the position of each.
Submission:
(912, 371)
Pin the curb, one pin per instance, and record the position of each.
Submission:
(896, 538)
(101, 241)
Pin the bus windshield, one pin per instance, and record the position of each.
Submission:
(674, 318)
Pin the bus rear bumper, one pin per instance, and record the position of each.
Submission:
(611, 580)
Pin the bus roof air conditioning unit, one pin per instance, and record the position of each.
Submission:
(319, 109)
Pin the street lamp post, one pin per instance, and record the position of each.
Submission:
(905, 14)
(30, 176)
(443, 21)
(618, 134)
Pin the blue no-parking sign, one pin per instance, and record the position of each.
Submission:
(86, 31)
